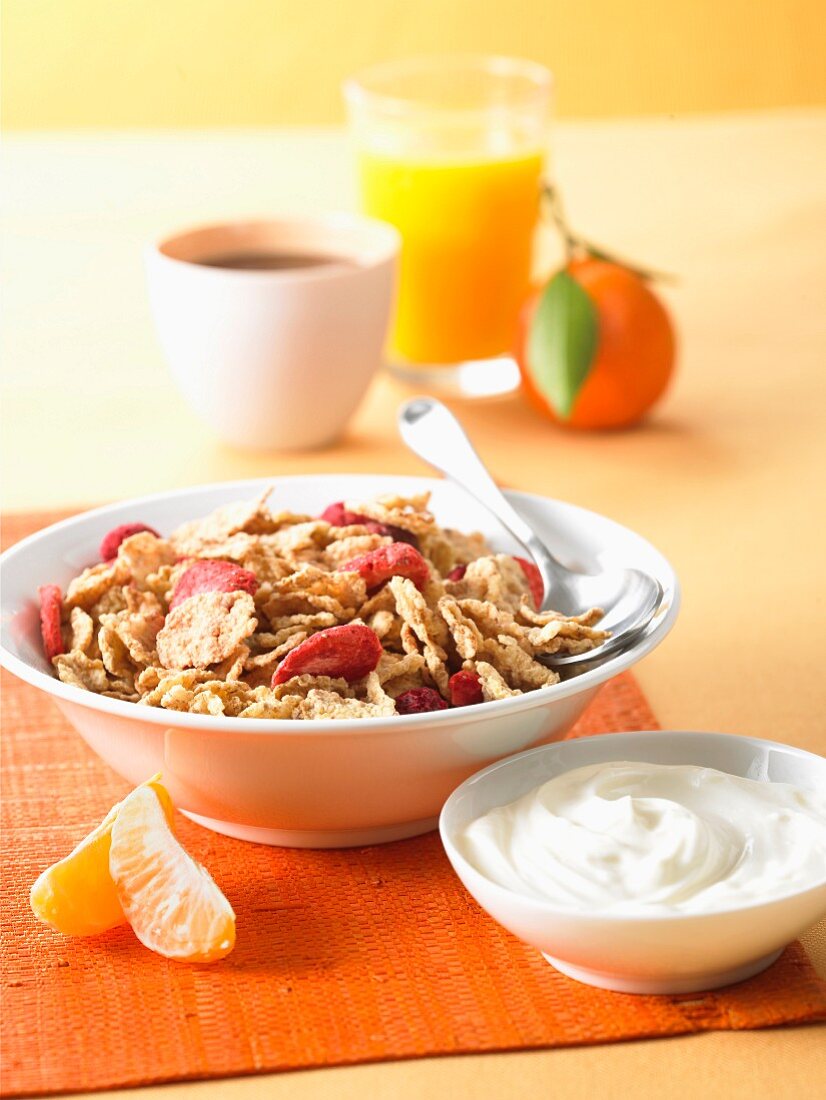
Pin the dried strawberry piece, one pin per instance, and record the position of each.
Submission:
(213, 576)
(51, 604)
(111, 542)
(397, 534)
(397, 559)
(419, 701)
(534, 579)
(465, 688)
(348, 652)
(338, 516)
(456, 573)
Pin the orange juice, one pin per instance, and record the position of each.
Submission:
(467, 224)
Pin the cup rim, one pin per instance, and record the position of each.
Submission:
(358, 93)
(386, 245)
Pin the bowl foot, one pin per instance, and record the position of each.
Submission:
(316, 838)
(698, 984)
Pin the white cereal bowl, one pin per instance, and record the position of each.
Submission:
(655, 953)
(319, 783)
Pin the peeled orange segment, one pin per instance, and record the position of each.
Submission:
(173, 904)
(76, 895)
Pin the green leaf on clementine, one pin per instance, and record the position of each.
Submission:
(562, 341)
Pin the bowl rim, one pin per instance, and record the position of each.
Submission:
(118, 708)
(549, 908)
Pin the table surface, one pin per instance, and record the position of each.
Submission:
(724, 479)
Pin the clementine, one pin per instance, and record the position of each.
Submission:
(76, 895)
(628, 363)
(131, 868)
(173, 903)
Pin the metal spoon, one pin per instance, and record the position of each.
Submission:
(629, 597)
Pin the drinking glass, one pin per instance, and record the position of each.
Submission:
(451, 151)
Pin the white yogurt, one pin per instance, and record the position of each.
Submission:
(635, 837)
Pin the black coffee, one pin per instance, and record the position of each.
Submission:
(273, 261)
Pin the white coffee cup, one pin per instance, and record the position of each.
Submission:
(275, 358)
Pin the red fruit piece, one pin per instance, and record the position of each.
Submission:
(397, 559)
(213, 576)
(337, 515)
(111, 542)
(456, 573)
(534, 579)
(465, 688)
(397, 534)
(419, 701)
(349, 652)
(51, 603)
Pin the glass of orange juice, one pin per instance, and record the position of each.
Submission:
(450, 151)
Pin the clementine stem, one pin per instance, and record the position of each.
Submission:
(574, 243)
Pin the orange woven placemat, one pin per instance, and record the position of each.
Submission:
(342, 956)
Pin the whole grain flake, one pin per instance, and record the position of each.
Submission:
(238, 639)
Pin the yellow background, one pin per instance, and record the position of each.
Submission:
(193, 63)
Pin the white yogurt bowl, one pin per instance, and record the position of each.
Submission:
(319, 783)
(673, 953)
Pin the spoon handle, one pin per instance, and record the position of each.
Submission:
(432, 432)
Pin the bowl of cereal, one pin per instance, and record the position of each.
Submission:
(316, 662)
